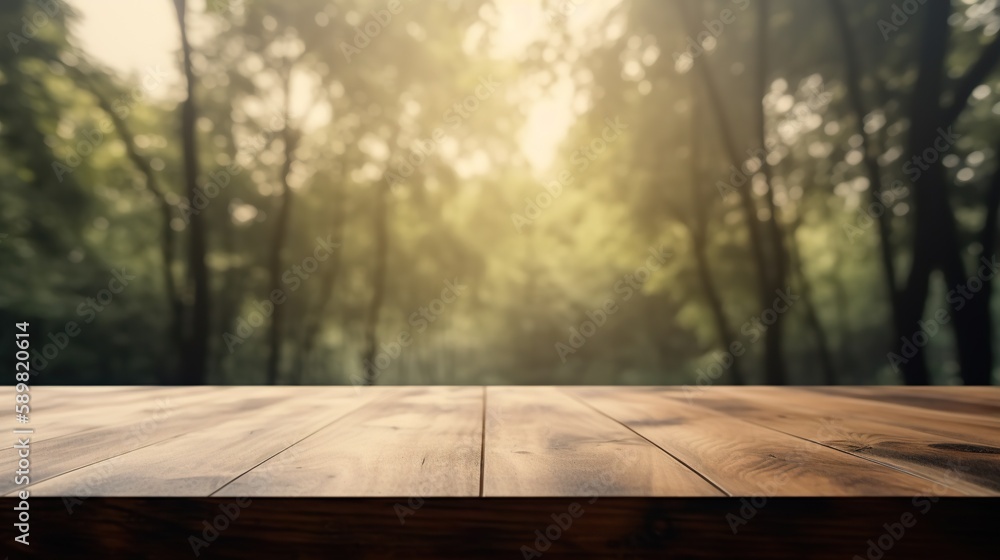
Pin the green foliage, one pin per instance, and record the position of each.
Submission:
(542, 252)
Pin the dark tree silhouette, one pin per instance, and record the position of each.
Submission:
(193, 369)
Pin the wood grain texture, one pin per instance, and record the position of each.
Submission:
(954, 464)
(747, 459)
(61, 411)
(979, 401)
(203, 461)
(501, 528)
(982, 429)
(407, 442)
(541, 442)
(587, 442)
(150, 419)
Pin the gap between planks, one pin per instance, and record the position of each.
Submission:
(374, 399)
(482, 449)
(653, 443)
(815, 468)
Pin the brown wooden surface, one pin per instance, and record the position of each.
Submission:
(421, 442)
(509, 528)
(541, 442)
(410, 441)
(748, 459)
(253, 431)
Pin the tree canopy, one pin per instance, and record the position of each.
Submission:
(734, 192)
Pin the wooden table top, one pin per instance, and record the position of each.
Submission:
(509, 441)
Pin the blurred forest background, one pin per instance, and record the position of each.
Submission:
(533, 192)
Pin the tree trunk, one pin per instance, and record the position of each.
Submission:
(193, 370)
(711, 292)
(851, 371)
(971, 318)
(928, 244)
(982, 301)
(699, 241)
(826, 362)
(167, 250)
(380, 226)
(329, 282)
(228, 308)
(772, 361)
(775, 372)
(289, 138)
(937, 230)
(852, 63)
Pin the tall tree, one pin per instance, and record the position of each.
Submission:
(195, 360)
(290, 139)
(853, 74)
(94, 82)
(936, 244)
(775, 371)
(698, 228)
(317, 314)
(380, 230)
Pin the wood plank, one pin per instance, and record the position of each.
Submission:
(746, 459)
(504, 529)
(156, 422)
(52, 400)
(546, 441)
(541, 442)
(203, 461)
(411, 442)
(62, 411)
(949, 462)
(963, 400)
(972, 428)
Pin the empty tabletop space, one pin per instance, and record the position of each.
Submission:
(495, 442)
